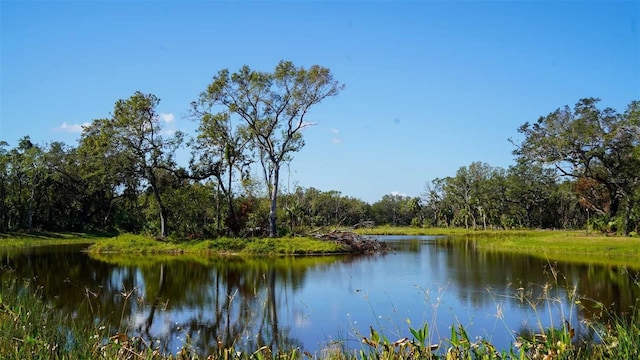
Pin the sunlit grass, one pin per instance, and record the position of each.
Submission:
(30, 330)
(139, 244)
(558, 245)
(142, 244)
(569, 246)
(562, 241)
(35, 239)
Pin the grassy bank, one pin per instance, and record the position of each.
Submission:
(31, 330)
(560, 245)
(35, 239)
(565, 246)
(138, 244)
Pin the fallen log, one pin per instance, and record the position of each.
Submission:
(353, 242)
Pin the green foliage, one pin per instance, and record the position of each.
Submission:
(397, 210)
(137, 132)
(484, 197)
(312, 208)
(598, 147)
(271, 108)
(122, 175)
(30, 329)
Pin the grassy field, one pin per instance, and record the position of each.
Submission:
(559, 245)
(34, 239)
(138, 244)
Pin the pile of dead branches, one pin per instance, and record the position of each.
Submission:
(353, 242)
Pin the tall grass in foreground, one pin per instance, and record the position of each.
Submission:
(32, 329)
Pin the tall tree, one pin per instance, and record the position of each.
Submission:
(591, 143)
(58, 203)
(108, 183)
(220, 150)
(273, 107)
(393, 209)
(529, 189)
(459, 190)
(136, 128)
(27, 173)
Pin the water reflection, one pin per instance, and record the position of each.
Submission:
(616, 287)
(307, 302)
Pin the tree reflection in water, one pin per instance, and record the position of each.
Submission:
(212, 302)
(285, 303)
(548, 285)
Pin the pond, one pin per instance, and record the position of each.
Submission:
(313, 303)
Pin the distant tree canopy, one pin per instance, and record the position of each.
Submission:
(573, 166)
(598, 148)
(481, 196)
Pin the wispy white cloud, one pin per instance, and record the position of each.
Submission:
(336, 136)
(398, 193)
(72, 128)
(169, 121)
(169, 118)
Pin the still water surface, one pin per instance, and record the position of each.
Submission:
(314, 302)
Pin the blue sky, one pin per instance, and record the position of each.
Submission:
(430, 86)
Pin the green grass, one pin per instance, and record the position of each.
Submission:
(31, 330)
(558, 245)
(139, 244)
(566, 246)
(17, 240)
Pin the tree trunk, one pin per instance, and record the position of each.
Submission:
(233, 221)
(218, 217)
(273, 230)
(484, 221)
(163, 219)
(615, 203)
(627, 217)
(30, 213)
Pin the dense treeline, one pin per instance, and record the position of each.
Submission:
(573, 166)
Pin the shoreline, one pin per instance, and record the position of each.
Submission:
(557, 245)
